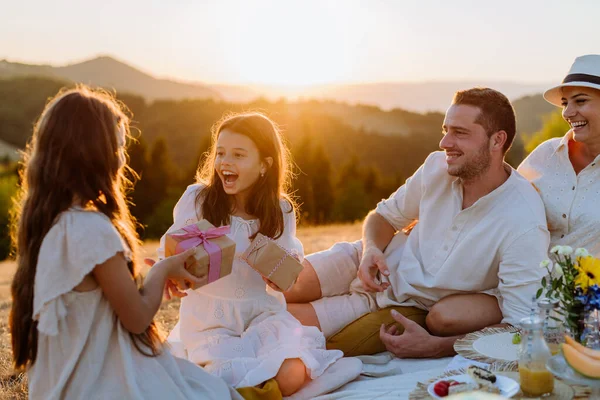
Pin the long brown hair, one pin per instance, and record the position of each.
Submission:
(266, 194)
(74, 155)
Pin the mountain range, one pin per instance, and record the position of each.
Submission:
(109, 72)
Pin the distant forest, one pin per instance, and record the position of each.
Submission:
(343, 164)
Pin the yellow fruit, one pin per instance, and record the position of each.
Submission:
(595, 354)
(585, 365)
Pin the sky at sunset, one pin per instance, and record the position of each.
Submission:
(310, 41)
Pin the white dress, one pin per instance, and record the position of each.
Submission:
(83, 350)
(237, 328)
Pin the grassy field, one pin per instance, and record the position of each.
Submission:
(313, 238)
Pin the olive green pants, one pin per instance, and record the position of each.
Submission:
(266, 391)
(361, 337)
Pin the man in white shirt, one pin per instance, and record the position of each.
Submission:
(471, 261)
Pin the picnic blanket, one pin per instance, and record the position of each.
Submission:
(386, 377)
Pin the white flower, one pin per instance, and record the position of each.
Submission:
(557, 272)
(581, 252)
(565, 250)
(556, 249)
(545, 264)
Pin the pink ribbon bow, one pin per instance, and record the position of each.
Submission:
(194, 237)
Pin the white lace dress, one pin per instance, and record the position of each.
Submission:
(237, 328)
(83, 350)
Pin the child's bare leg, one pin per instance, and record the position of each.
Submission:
(291, 376)
(307, 288)
(305, 313)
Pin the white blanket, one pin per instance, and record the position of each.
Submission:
(386, 377)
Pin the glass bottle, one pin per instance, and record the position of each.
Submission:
(536, 380)
(553, 328)
(591, 330)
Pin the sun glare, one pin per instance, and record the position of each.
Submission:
(302, 48)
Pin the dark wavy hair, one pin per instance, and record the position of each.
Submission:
(74, 155)
(216, 206)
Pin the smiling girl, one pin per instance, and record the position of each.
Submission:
(237, 327)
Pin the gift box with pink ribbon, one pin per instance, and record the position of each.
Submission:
(214, 250)
(272, 261)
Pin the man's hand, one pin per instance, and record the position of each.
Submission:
(415, 342)
(373, 261)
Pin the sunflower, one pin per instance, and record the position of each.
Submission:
(589, 272)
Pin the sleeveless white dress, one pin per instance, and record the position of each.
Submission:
(83, 350)
(238, 328)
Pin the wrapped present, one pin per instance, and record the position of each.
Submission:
(272, 261)
(214, 251)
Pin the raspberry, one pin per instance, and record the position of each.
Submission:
(441, 388)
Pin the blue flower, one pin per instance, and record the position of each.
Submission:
(583, 299)
(595, 289)
(591, 300)
(594, 297)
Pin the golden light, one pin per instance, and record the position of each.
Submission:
(287, 44)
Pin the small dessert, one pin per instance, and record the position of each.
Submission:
(489, 388)
(462, 387)
(481, 375)
(484, 381)
(442, 387)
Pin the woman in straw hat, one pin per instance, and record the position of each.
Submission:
(566, 171)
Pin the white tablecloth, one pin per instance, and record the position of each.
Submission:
(402, 377)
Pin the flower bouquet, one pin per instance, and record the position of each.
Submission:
(573, 278)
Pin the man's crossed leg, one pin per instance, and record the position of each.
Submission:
(329, 296)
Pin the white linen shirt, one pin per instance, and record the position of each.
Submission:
(572, 201)
(494, 246)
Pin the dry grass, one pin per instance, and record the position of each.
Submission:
(313, 238)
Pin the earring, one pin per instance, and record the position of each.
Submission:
(262, 174)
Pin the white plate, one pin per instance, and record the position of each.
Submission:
(498, 346)
(490, 345)
(508, 387)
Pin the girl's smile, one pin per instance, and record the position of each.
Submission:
(237, 163)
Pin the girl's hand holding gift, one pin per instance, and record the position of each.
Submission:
(178, 277)
(171, 290)
(272, 285)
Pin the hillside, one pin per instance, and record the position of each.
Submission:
(370, 108)
(530, 111)
(110, 73)
(418, 97)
